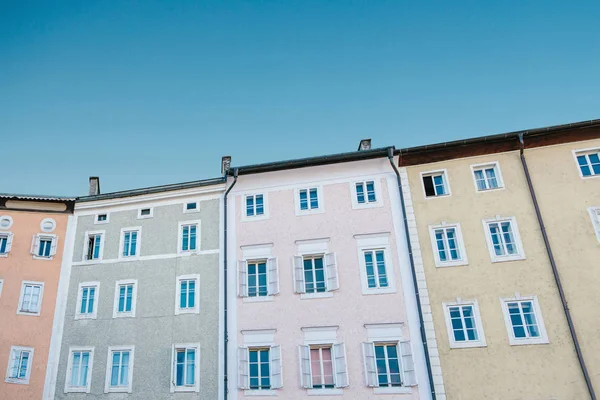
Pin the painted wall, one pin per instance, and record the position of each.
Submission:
(27, 330)
(499, 370)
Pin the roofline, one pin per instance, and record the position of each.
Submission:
(32, 197)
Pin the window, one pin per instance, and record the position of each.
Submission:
(365, 194)
(595, 216)
(79, 369)
(145, 213)
(524, 321)
(258, 278)
(375, 263)
(87, 300)
(188, 238)
(101, 219)
(94, 245)
(130, 242)
(435, 184)
(375, 266)
(503, 238)
(1, 284)
(260, 376)
(254, 205)
(464, 324)
(125, 298)
(188, 294)
(44, 246)
(19, 365)
(389, 365)
(30, 302)
(309, 201)
(119, 369)
(186, 371)
(323, 366)
(487, 176)
(191, 207)
(48, 225)
(5, 243)
(6, 222)
(589, 162)
(259, 362)
(448, 245)
(315, 269)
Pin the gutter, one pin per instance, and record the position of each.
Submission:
(414, 274)
(561, 292)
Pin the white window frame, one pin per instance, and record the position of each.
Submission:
(140, 216)
(85, 246)
(9, 220)
(446, 179)
(264, 338)
(127, 389)
(39, 311)
(255, 253)
(325, 336)
(195, 210)
(515, 230)
(320, 199)
(196, 386)
(265, 214)
(378, 194)
(78, 389)
(49, 229)
(496, 166)
(94, 313)
(460, 243)
(196, 309)
(1, 285)
(374, 242)
(543, 339)
(35, 245)
(9, 238)
(582, 152)
(17, 381)
(180, 237)
(595, 217)
(138, 245)
(98, 222)
(125, 314)
(480, 342)
(314, 248)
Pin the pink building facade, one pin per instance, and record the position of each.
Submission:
(321, 299)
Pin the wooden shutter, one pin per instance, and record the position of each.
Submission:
(243, 368)
(276, 370)
(273, 274)
(408, 366)
(370, 365)
(305, 370)
(332, 272)
(299, 284)
(9, 239)
(35, 244)
(53, 246)
(341, 368)
(242, 278)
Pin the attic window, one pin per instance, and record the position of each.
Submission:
(145, 213)
(101, 218)
(191, 207)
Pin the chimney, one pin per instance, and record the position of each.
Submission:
(225, 164)
(94, 186)
(365, 144)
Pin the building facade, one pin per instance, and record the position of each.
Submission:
(321, 298)
(33, 231)
(140, 302)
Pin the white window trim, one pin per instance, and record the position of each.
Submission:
(38, 237)
(25, 381)
(138, 246)
(444, 172)
(378, 194)
(195, 210)
(265, 215)
(488, 237)
(377, 241)
(595, 216)
(326, 336)
(1, 285)
(314, 247)
(257, 253)
(85, 246)
(9, 237)
(460, 243)
(320, 199)
(129, 314)
(583, 152)
(196, 387)
(259, 338)
(52, 225)
(94, 313)
(196, 309)
(140, 216)
(543, 339)
(107, 388)
(499, 179)
(180, 237)
(10, 222)
(481, 342)
(39, 311)
(97, 222)
(87, 388)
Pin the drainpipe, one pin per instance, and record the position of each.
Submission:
(561, 292)
(226, 336)
(414, 274)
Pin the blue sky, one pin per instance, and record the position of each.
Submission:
(149, 92)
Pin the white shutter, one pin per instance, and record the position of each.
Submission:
(370, 364)
(35, 244)
(243, 368)
(53, 246)
(332, 272)
(242, 278)
(299, 286)
(305, 370)
(9, 239)
(273, 274)
(408, 366)
(276, 371)
(341, 368)
(173, 368)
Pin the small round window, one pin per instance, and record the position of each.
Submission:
(5, 222)
(48, 225)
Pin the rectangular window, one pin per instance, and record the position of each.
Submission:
(130, 243)
(314, 275)
(192, 206)
(388, 364)
(503, 239)
(435, 184)
(595, 216)
(185, 368)
(5, 243)
(125, 298)
(43, 246)
(255, 205)
(188, 237)
(309, 199)
(94, 246)
(101, 218)
(376, 271)
(257, 278)
(87, 301)
(589, 163)
(119, 369)
(487, 177)
(30, 302)
(187, 294)
(524, 321)
(19, 365)
(321, 366)
(79, 370)
(365, 192)
(145, 213)
(447, 245)
(259, 367)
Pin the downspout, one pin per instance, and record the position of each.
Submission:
(225, 335)
(561, 292)
(414, 274)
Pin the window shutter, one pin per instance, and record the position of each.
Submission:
(173, 368)
(299, 286)
(273, 272)
(305, 370)
(341, 368)
(408, 366)
(9, 239)
(370, 365)
(35, 244)
(53, 246)
(242, 278)
(244, 378)
(332, 272)
(276, 372)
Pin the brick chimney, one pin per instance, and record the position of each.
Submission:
(365, 144)
(94, 186)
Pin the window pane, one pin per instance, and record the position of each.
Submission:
(314, 200)
(428, 185)
(381, 268)
(260, 210)
(303, 200)
(371, 192)
(249, 206)
(360, 193)
(370, 270)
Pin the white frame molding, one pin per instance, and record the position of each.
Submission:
(460, 243)
(98, 222)
(444, 173)
(49, 229)
(180, 225)
(86, 241)
(25, 381)
(194, 210)
(515, 231)
(39, 311)
(373, 242)
(107, 388)
(480, 342)
(313, 247)
(125, 314)
(252, 253)
(140, 216)
(496, 166)
(325, 336)
(320, 199)
(265, 215)
(378, 193)
(196, 309)
(583, 152)
(94, 313)
(259, 338)
(37, 238)
(6, 218)
(196, 387)
(1, 285)
(9, 238)
(595, 216)
(70, 389)
(138, 246)
(543, 339)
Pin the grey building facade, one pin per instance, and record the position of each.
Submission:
(141, 297)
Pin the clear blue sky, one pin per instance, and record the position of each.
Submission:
(148, 92)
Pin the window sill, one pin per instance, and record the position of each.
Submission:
(490, 190)
(124, 315)
(17, 381)
(497, 259)
(42, 258)
(187, 311)
(257, 393)
(129, 258)
(437, 197)
(356, 206)
(392, 390)
(300, 213)
(85, 316)
(590, 176)
(3, 254)
(322, 295)
(373, 291)
(258, 299)
(186, 389)
(31, 314)
(118, 390)
(458, 263)
(522, 342)
(77, 390)
(325, 392)
(246, 218)
(466, 345)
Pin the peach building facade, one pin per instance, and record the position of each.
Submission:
(33, 232)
